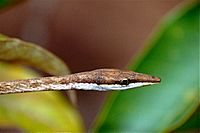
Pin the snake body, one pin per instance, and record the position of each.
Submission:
(100, 79)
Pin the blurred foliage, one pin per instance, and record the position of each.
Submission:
(192, 124)
(9, 72)
(8, 3)
(173, 55)
(41, 111)
(15, 50)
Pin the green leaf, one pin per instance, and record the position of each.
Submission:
(172, 54)
(39, 112)
(34, 112)
(15, 50)
(9, 72)
(192, 124)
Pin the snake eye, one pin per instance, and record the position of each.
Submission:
(124, 82)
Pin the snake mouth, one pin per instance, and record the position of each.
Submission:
(108, 87)
(125, 87)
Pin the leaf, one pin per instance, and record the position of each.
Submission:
(192, 124)
(9, 72)
(34, 112)
(173, 55)
(39, 112)
(15, 50)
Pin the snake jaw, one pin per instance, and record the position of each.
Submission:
(125, 87)
(107, 87)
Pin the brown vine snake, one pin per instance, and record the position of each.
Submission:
(100, 80)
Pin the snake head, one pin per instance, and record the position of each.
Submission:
(123, 77)
(115, 79)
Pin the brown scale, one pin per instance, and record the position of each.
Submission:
(99, 76)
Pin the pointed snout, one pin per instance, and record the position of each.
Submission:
(146, 78)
